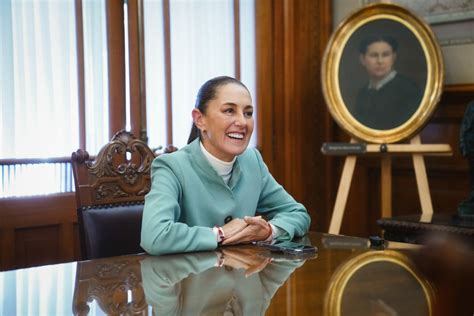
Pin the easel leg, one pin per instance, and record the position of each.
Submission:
(386, 186)
(342, 193)
(422, 181)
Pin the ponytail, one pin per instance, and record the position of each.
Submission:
(195, 133)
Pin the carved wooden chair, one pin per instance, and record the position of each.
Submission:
(110, 191)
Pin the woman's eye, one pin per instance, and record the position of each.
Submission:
(249, 114)
(229, 110)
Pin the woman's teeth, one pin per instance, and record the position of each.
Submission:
(236, 135)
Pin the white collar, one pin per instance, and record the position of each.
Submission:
(223, 168)
(383, 82)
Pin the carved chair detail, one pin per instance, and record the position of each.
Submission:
(119, 173)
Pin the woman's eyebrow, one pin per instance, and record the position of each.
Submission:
(235, 104)
(229, 103)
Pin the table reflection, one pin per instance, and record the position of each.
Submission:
(114, 284)
(378, 283)
(346, 277)
(233, 281)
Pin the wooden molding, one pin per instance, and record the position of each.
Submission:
(116, 65)
(135, 51)
(292, 116)
(459, 88)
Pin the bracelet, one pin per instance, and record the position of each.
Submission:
(220, 234)
(271, 232)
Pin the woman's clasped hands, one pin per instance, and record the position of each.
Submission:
(247, 230)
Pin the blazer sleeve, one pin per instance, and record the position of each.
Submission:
(161, 232)
(280, 207)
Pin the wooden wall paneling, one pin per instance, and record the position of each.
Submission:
(36, 246)
(116, 65)
(265, 85)
(67, 242)
(38, 230)
(313, 121)
(7, 252)
(136, 72)
(289, 147)
(448, 189)
(356, 206)
(293, 119)
(38, 211)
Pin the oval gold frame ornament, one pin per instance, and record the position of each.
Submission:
(334, 296)
(331, 65)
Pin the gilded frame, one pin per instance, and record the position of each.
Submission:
(431, 53)
(340, 279)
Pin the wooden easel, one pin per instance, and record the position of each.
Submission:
(416, 150)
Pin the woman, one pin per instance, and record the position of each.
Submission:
(389, 99)
(210, 191)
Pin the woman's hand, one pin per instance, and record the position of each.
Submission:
(233, 227)
(257, 229)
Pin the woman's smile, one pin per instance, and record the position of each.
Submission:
(228, 123)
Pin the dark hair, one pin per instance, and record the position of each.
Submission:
(390, 40)
(206, 93)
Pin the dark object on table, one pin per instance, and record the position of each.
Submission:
(288, 247)
(414, 228)
(377, 242)
(466, 146)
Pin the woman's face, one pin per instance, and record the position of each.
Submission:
(228, 123)
(378, 60)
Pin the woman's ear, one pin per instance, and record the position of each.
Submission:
(198, 119)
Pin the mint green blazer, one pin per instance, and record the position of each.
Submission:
(187, 198)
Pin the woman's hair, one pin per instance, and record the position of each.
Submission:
(390, 40)
(206, 93)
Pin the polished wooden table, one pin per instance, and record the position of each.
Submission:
(345, 277)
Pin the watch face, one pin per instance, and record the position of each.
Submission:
(382, 74)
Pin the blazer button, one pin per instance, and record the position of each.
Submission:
(227, 219)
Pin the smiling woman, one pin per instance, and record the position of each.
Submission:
(226, 119)
(215, 190)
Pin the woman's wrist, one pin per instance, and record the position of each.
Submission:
(270, 233)
(219, 231)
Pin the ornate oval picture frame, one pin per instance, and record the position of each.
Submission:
(378, 281)
(382, 74)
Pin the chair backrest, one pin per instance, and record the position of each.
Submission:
(110, 192)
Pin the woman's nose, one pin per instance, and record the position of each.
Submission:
(240, 119)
